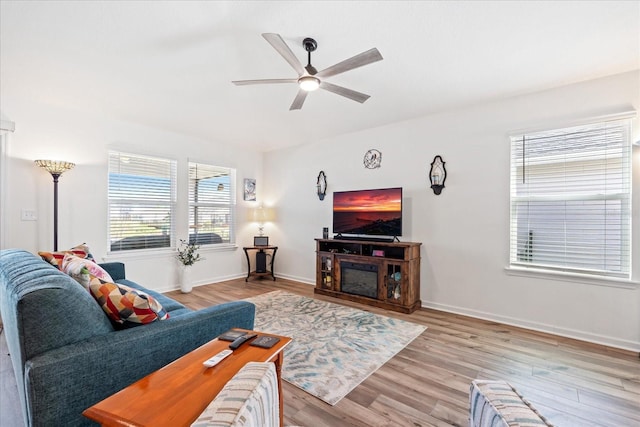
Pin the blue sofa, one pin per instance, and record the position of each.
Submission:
(66, 353)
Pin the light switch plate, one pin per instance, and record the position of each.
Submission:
(28, 215)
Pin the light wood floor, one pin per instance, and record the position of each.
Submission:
(572, 383)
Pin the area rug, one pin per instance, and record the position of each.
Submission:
(334, 347)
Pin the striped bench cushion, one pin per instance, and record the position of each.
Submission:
(498, 404)
(250, 398)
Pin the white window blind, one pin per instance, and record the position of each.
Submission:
(142, 198)
(570, 199)
(211, 204)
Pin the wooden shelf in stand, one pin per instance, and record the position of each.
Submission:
(260, 249)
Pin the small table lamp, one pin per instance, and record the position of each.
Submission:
(261, 215)
(55, 168)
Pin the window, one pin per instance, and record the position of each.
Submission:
(211, 204)
(570, 199)
(142, 198)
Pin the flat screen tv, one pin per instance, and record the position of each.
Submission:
(368, 212)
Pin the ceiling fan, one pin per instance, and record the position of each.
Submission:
(310, 79)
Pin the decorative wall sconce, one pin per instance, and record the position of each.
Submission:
(437, 174)
(321, 185)
(55, 168)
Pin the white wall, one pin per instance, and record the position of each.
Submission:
(464, 231)
(47, 131)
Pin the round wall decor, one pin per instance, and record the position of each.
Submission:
(372, 159)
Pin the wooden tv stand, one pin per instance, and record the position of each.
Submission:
(381, 274)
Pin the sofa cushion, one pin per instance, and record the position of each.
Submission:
(115, 269)
(126, 306)
(55, 258)
(81, 269)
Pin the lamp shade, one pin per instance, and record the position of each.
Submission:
(55, 167)
(261, 214)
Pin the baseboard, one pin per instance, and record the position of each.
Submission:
(232, 277)
(304, 280)
(540, 327)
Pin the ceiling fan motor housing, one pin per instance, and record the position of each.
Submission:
(309, 44)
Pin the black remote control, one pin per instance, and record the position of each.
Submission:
(241, 340)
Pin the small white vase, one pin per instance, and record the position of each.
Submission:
(185, 279)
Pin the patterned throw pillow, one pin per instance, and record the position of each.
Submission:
(55, 258)
(81, 269)
(124, 305)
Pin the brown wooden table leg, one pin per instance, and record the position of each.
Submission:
(246, 253)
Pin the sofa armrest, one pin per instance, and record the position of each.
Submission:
(115, 269)
(64, 382)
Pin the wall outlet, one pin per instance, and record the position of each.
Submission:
(28, 215)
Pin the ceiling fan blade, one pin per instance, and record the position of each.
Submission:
(263, 81)
(364, 58)
(347, 93)
(283, 49)
(299, 100)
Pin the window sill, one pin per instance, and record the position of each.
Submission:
(584, 279)
(163, 252)
(219, 247)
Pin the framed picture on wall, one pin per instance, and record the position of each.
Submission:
(249, 189)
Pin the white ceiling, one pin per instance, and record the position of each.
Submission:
(170, 65)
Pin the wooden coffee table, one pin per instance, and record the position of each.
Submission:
(176, 394)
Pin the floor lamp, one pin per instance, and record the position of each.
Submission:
(55, 168)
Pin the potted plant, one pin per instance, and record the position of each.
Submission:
(187, 255)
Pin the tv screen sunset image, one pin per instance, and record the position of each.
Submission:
(374, 212)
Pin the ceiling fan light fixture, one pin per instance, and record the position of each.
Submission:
(309, 83)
